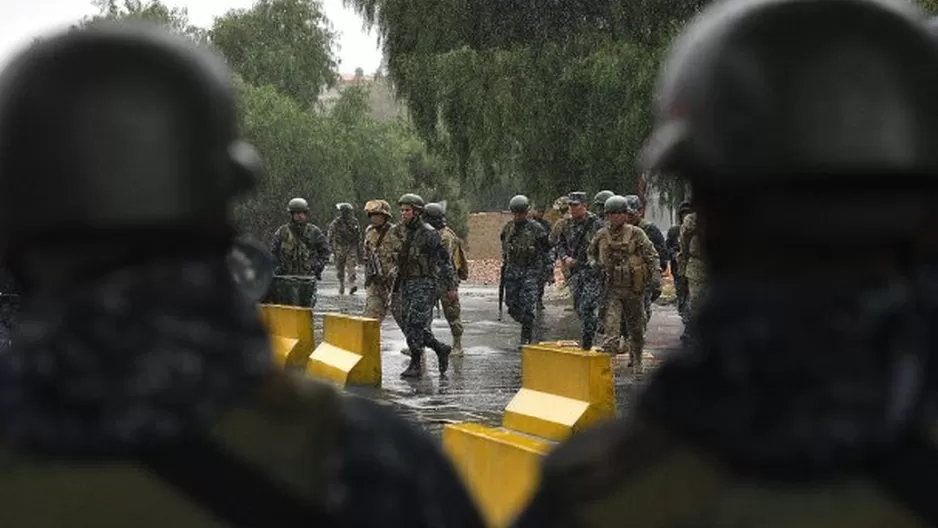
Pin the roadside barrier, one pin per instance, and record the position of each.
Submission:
(563, 391)
(350, 351)
(292, 334)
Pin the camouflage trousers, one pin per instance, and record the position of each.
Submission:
(695, 292)
(522, 288)
(379, 300)
(418, 297)
(585, 287)
(346, 258)
(294, 292)
(452, 310)
(625, 310)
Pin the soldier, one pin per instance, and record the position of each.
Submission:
(693, 268)
(574, 237)
(537, 214)
(629, 264)
(599, 204)
(636, 217)
(802, 400)
(301, 253)
(673, 243)
(422, 266)
(525, 254)
(436, 217)
(345, 237)
(142, 391)
(380, 248)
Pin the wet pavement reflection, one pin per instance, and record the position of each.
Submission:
(481, 382)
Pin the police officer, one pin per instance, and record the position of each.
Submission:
(574, 235)
(380, 248)
(141, 391)
(423, 265)
(525, 254)
(301, 252)
(599, 204)
(345, 236)
(800, 403)
(636, 217)
(436, 217)
(629, 265)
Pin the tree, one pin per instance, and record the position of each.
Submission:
(175, 19)
(287, 44)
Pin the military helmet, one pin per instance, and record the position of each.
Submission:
(633, 203)
(616, 204)
(519, 204)
(562, 204)
(298, 205)
(739, 101)
(137, 127)
(378, 207)
(602, 196)
(344, 206)
(434, 210)
(684, 208)
(576, 197)
(411, 199)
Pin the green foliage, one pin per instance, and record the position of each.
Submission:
(538, 98)
(176, 19)
(284, 43)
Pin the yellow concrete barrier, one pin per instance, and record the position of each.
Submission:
(350, 352)
(501, 468)
(292, 334)
(563, 390)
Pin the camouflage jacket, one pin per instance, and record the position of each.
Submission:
(343, 454)
(574, 238)
(691, 264)
(657, 238)
(525, 248)
(299, 250)
(457, 253)
(422, 254)
(344, 232)
(631, 473)
(380, 260)
(626, 257)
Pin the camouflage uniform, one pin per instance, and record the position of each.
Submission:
(148, 381)
(526, 254)
(345, 236)
(423, 264)
(691, 265)
(573, 239)
(629, 263)
(379, 282)
(657, 239)
(451, 307)
(301, 253)
(549, 268)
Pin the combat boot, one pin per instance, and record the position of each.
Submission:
(442, 355)
(587, 343)
(413, 369)
(353, 290)
(526, 332)
(341, 286)
(457, 346)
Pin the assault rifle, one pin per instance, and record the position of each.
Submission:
(501, 289)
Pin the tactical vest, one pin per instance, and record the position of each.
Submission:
(345, 231)
(694, 246)
(623, 265)
(521, 249)
(383, 253)
(289, 431)
(415, 260)
(296, 255)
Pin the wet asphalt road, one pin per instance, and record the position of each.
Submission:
(481, 382)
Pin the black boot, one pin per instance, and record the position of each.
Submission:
(587, 343)
(442, 355)
(526, 332)
(413, 369)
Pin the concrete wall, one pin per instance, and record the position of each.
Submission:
(484, 229)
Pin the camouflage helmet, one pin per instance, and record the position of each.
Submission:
(434, 210)
(381, 207)
(411, 199)
(616, 204)
(805, 129)
(66, 131)
(633, 204)
(519, 204)
(562, 204)
(344, 206)
(298, 205)
(602, 196)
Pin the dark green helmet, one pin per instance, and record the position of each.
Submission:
(434, 210)
(143, 136)
(344, 206)
(634, 203)
(519, 204)
(411, 199)
(602, 196)
(298, 205)
(841, 100)
(616, 204)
